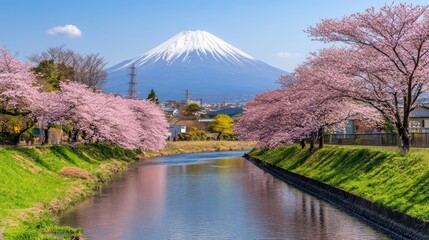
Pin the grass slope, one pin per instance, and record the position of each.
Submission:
(32, 190)
(380, 175)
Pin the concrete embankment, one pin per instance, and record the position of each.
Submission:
(381, 187)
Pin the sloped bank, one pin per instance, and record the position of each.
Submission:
(381, 187)
(36, 184)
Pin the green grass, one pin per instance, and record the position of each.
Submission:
(382, 175)
(32, 191)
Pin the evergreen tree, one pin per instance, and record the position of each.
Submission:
(50, 74)
(191, 110)
(152, 96)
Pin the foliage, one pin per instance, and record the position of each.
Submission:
(28, 136)
(388, 126)
(190, 110)
(106, 118)
(152, 97)
(18, 95)
(222, 125)
(303, 108)
(395, 181)
(52, 73)
(194, 134)
(378, 71)
(382, 60)
(96, 116)
(85, 69)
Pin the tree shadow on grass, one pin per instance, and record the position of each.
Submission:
(301, 156)
(35, 156)
(64, 153)
(344, 165)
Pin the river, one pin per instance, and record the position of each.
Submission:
(217, 195)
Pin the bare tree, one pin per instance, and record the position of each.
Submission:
(88, 69)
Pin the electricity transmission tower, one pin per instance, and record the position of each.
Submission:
(187, 96)
(132, 91)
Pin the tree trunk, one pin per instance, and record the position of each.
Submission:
(321, 137)
(312, 140)
(218, 136)
(405, 140)
(302, 143)
(46, 136)
(75, 135)
(29, 125)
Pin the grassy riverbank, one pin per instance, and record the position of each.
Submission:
(380, 175)
(38, 183)
(205, 146)
(33, 189)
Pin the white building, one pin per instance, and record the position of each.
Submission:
(174, 130)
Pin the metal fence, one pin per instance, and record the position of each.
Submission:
(377, 139)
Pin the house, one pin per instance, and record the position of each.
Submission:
(175, 130)
(171, 112)
(420, 120)
(359, 126)
(353, 126)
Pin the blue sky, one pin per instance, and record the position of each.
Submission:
(271, 31)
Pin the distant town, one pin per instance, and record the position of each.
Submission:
(190, 115)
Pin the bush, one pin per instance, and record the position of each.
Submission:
(194, 134)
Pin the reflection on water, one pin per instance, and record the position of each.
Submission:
(208, 196)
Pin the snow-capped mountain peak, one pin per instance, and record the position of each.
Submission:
(208, 67)
(185, 45)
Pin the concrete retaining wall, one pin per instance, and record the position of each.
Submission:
(393, 223)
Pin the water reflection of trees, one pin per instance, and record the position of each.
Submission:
(287, 213)
(266, 206)
(140, 192)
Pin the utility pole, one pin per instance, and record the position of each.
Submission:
(132, 91)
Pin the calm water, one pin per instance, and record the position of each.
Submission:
(216, 195)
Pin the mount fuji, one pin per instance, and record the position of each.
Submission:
(199, 61)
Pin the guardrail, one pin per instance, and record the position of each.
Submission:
(377, 139)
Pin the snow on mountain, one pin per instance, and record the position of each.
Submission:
(197, 60)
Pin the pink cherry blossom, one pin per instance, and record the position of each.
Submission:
(100, 117)
(383, 60)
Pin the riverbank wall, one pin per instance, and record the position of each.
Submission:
(367, 183)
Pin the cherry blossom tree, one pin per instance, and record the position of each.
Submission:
(152, 122)
(303, 109)
(102, 117)
(18, 94)
(385, 60)
(97, 116)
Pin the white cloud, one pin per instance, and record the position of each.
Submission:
(287, 54)
(66, 30)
